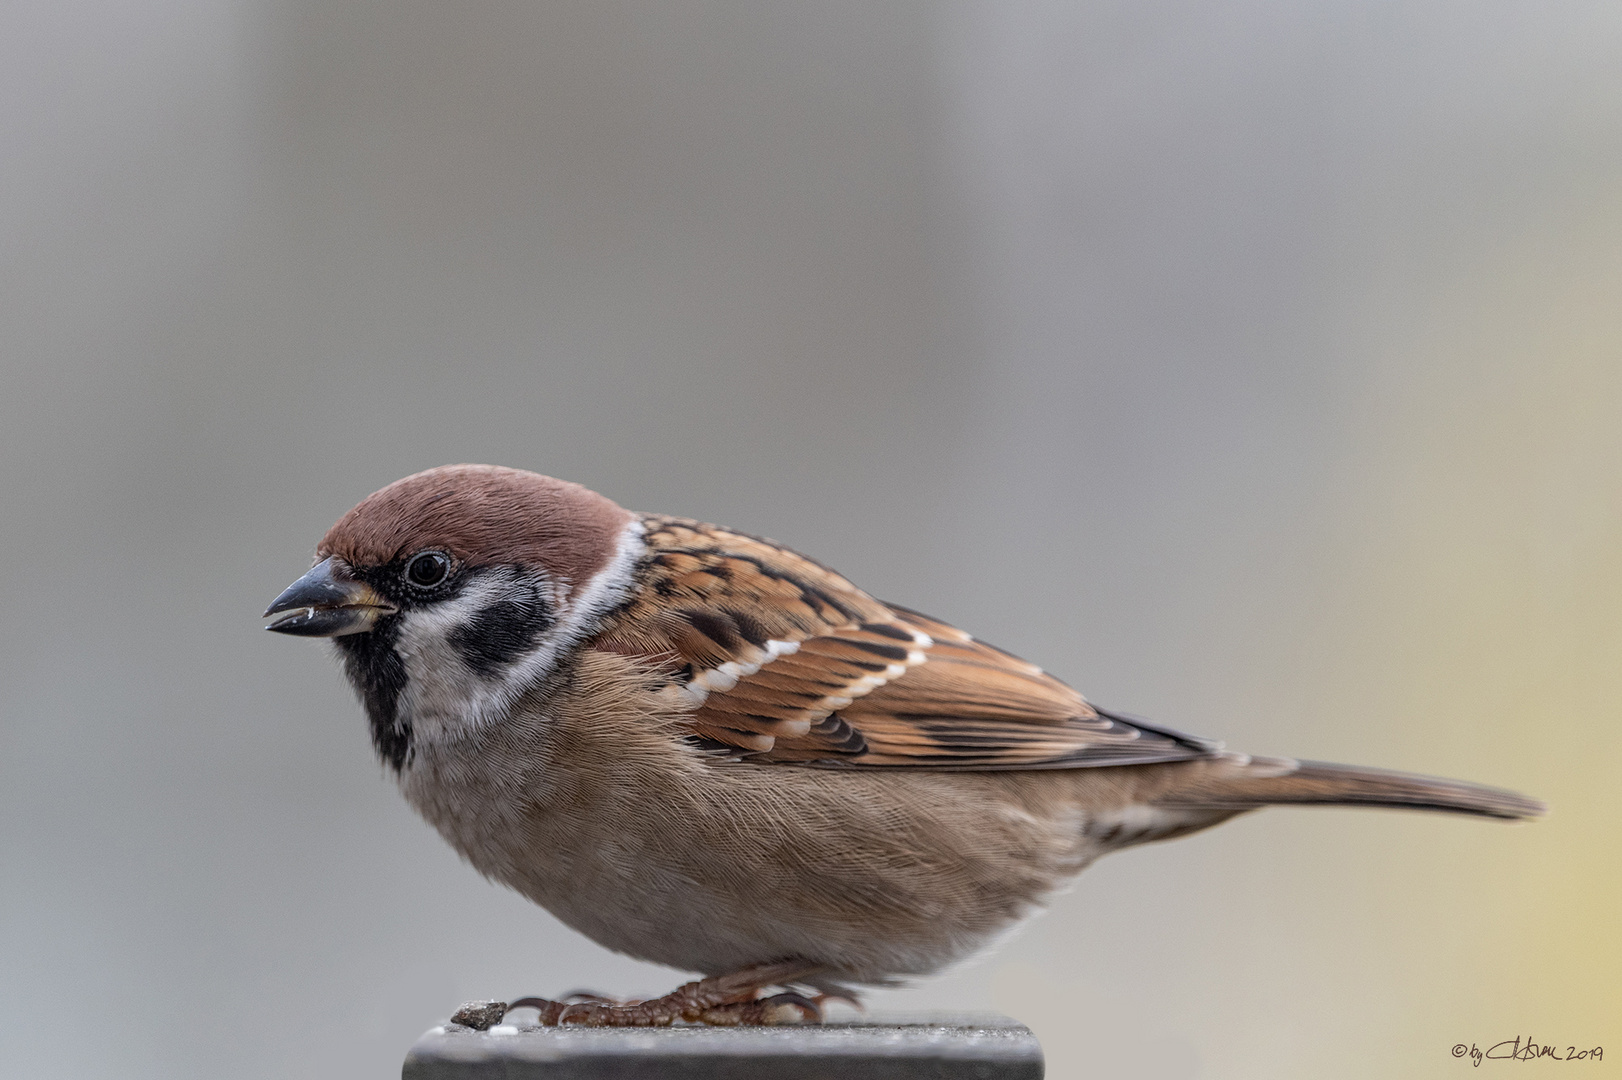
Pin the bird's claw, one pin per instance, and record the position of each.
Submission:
(593, 997)
(849, 999)
(727, 1000)
(784, 1008)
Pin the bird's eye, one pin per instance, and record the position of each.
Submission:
(428, 569)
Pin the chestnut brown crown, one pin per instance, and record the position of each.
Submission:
(482, 515)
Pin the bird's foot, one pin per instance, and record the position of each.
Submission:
(728, 1000)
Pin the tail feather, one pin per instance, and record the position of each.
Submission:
(1238, 782)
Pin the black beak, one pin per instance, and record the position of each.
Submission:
(327, 602)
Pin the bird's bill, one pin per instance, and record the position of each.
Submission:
(327, 602)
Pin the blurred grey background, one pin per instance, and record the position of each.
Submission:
(1256, 366)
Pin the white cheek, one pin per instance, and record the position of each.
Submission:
(444, 693)
(441, 685)
(445, 696)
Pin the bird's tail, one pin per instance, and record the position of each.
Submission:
(1238, 782)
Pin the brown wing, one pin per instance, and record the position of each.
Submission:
(783, 660)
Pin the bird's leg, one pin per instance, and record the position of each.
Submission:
(722, 999)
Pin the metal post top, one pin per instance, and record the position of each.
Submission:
(982, 1047)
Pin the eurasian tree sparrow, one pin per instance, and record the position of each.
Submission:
(702, 749)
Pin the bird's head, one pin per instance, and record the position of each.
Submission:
(451, 592)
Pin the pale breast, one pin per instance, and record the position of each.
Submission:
(593, 805)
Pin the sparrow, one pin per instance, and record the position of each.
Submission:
(702, 749)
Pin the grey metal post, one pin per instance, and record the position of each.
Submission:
(983, 1047)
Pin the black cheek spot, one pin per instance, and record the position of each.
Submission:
(501, 633)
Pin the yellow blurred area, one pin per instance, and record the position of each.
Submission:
(1468, 622)
(1480, 577)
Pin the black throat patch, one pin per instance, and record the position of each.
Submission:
(379, 675)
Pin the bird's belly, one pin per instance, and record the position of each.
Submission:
(716, 867)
